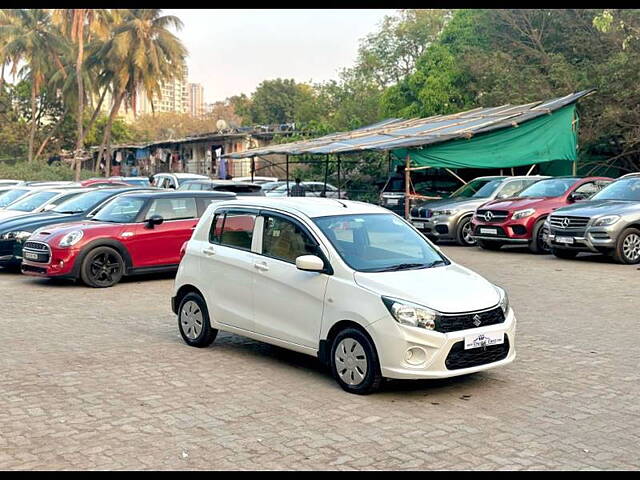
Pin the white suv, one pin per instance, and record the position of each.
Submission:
(351, 283)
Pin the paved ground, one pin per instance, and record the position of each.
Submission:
(100, 379)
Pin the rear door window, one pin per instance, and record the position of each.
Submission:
(233, 229)
(173, 208)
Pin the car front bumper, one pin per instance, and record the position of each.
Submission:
(589, 239)
(439, 227)
(393, 342)
(508, 231)
(61, 264)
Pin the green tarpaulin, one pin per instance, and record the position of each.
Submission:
(550, 138)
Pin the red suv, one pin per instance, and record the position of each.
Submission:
(520, 219)
(133, 234)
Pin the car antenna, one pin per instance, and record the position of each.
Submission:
(341, 203)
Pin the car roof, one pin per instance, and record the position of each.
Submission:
(183, 175)
(223, 182)
(310, 206)
(182, 193)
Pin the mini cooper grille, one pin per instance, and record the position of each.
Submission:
(454, 323)
(568, 222)
(460, 358)
(36, 252)
(492, 215)
(36, 246)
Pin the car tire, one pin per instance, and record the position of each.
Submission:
(193, 321)
(354, 362)
(102, 267)
(489, 244)
(463, 233)
(627, 249)
(564, 253)
(537, 243)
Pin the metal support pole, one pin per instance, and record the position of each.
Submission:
(339, 188)
(407, 183)
(253, 167)
(326, 174)
(455, 175)
(575, 167)
(287, 170)
(530, 170)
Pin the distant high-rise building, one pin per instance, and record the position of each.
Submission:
(196, 100)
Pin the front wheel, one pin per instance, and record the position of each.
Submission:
(354, 362)
(463, 233)
(489, 244)
(193, 321)
(628, 247)
(538, 243)
(102, 267)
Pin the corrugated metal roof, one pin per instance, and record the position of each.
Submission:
(395, 133)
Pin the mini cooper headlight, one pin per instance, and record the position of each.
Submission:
(606, 220)
(523, 213)
(19, 236)
(71, 238)
(446, 211)
(410, 314)
(504, 299)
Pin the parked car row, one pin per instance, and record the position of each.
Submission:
(561, 215)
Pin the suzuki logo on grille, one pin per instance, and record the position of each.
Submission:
(477, 320)
(488, 216)
(565, 222)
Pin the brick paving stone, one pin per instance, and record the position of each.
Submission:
(100, 379)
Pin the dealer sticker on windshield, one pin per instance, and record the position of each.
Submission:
(483, 340)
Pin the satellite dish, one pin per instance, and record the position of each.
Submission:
(221, 124)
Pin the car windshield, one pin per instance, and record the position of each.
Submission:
(83, 202)
(625, 189)
(121, 210)
(478, 188)
(11, 196)
(553, 187)
(31, 202)
(378, 242)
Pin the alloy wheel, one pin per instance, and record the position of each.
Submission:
(103, 268)
(351, 362)
(631, 247)
(191, 320)
(466, 234)
(543, 236)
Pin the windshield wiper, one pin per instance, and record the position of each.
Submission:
(401, 266)
(68, 212)
(436, 263)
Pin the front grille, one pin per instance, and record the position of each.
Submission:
(36, 252)
(495, 215)
(421, 212)
(460, 358)
(568, 233)
(453, 323)
(567, 222)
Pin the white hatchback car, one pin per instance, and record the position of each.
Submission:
(349, 282)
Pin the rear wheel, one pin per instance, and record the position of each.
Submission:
(193, 321)
(564, 253)
(628, 247)
(102, 267)
(463, 233)
(538, 243)
(489, 244)
(354, 362)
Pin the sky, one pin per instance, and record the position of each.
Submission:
(232, 51)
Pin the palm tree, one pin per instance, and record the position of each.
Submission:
(29, 37)
(141, 54)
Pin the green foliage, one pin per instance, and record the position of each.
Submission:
(38, 171)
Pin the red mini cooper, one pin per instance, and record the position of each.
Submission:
(520, 219)
(133, 234)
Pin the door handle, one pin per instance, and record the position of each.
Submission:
(261, 266)
(209, 251)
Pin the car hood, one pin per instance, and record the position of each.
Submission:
(32, 221)
(458, 203)
(592, 208)
(87, 226)
(6, 214)
(519, 203)
(448, 289)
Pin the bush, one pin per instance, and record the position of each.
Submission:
(39, 171)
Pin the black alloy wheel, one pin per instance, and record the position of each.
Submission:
(102, 267)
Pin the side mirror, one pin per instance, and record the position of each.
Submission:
(310, 263)
(575, 197)
(154, 220)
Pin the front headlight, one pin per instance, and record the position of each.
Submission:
(523, 213)
(446, 211)
(504, 299)
(18, 236)
(71, 238)
(606, 220)
(410, 314)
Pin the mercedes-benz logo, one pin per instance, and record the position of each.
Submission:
(565, 222)
(477, 320)
(488, 216)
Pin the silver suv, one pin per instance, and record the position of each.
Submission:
(607, 223)
(450, 218)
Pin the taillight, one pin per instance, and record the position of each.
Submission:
(183, 250)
